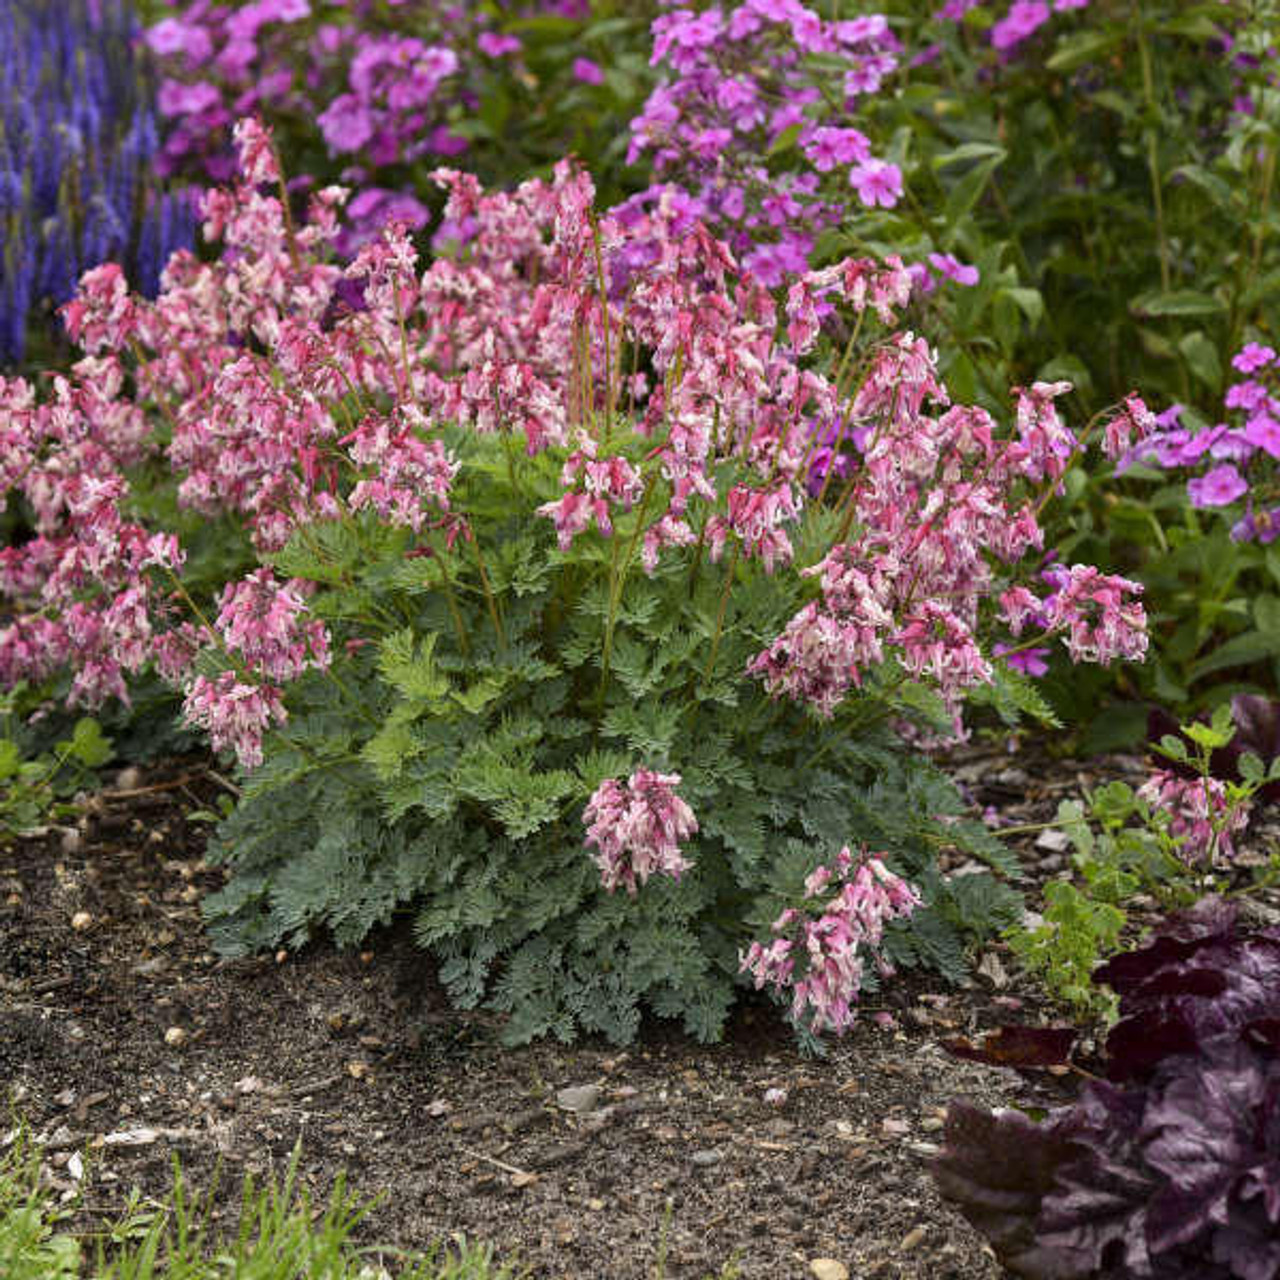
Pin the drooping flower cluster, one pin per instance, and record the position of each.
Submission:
(261, 623)
(830, 946)
(1199, 814)
(637, 828)
(77, 140)
(78, 592)
(1095, 613)
(253, 359)
(934, 499)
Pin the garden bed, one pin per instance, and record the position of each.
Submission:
(123, 1034)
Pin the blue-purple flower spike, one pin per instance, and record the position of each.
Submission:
(77, 134)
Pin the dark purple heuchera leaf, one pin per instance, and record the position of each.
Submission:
(1172, 1175)
(998, 1167)
(1257, 722)
(1019, 1047)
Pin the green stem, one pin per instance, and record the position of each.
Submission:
(720, 615)
(1153, 155)
(617, 578)
(489, 598)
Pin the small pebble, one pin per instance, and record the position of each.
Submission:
(81, 921)
(578, 1098)
(912, 1238)
(829, 1269)
(704, 1159)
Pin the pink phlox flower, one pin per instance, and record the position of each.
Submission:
(1217, 488)
(1262, 431)
(1248, 395)
(1024, 18)
(1031, 662)
(826, 147)
(587, 72)
(877, 182)
(950, 267)
(637, 828)
(1252, 357)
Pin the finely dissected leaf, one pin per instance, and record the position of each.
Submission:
(407, 664)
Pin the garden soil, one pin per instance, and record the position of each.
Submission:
(125, 1040)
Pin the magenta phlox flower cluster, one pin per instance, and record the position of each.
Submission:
(637, 828)
(741, 78)
(381, 96)
(1019, 22)
(1200, 817)
(1232, 462)
(832, 943)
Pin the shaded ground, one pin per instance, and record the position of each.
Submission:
(121, 1032)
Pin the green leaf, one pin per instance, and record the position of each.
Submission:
(648, 728)
(969, 151)
(964, 194)
(1220, 191)
(88, 745)
(786, 139)
(410, 667)
(1202, 359)
(1177, 302)
(1266, 613)
(1239, 651)
(1075, 50)
(1029, 302)
(1251, 768)
(388, 750)
(10, 758)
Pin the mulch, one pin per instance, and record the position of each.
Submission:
(125, 1041)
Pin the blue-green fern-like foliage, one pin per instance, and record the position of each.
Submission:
(444, 768)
